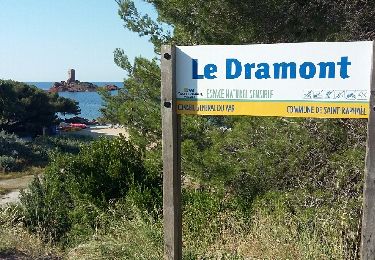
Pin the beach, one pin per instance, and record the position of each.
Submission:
(98, 131)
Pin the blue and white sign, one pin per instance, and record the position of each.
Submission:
(254, 78)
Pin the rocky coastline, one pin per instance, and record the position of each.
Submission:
(73, 85)
(78, 86)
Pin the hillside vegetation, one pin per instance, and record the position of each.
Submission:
(253, 188)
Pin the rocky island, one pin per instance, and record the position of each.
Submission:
(73, 85)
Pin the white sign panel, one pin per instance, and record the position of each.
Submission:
(316, 79)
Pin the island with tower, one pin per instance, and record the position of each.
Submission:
(74, 85)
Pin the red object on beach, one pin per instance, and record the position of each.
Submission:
(78, 125)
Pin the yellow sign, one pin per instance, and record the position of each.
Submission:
(276, 108)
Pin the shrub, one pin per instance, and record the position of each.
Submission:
(75, 189)
(61, 143)
(8, 163)
(12, 145)
(46, 208)
(128, 234)
(17, 153)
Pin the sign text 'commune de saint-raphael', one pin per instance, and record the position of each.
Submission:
(321, 79)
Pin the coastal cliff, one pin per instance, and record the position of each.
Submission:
(78, 86)
(73, 85)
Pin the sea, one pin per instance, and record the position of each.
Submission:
(89, 102)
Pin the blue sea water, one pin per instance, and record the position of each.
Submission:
(89, 102)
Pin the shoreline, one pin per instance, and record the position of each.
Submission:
(100, 130)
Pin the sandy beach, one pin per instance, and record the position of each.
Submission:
(98, 131)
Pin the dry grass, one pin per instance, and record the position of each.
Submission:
(272, 232)
(29, 171)
(11, 175)
(15, 241)
(126, 238)
(272, 237)
(4, 191)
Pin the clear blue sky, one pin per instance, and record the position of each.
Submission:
(42, 39)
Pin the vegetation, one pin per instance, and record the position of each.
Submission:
(277, 176)
(17, 243)
(4, 191)
(85, 185)
(268, 188)
(27, 109)
(19, 155)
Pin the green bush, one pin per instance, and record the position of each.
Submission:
(8, 163)
(13, 146)
(17, 153)
(75, 189)
(126, 233)
(61, 143)
(46, 207)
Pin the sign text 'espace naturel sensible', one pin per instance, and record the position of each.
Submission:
(316, 79)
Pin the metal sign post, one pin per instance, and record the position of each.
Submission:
(171, 157)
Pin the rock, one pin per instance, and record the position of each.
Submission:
(75, 86)
(111, 87)
(72, 85)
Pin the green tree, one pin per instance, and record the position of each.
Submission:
(246, 22)
(225, 22)
(237, 22)
(131, 104)
(25, 108)
(316, 162)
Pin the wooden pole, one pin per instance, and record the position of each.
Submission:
(368, 218)
(171, 123)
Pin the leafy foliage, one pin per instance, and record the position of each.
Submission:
(14, 152)
(245, 22)
(8, 163)
(249, 159)
(25, 108)
(131, 105)
(18, 154)
(76, 188)
(254, 187)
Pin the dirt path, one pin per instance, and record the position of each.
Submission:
(11, 197)
(14, 185)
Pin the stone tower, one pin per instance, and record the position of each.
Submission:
(71, 76)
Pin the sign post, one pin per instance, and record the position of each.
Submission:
(171, 157)
(368, 217)
(313, 79)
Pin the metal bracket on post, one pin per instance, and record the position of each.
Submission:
(171, 124)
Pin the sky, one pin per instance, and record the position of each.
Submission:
(41, 39)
